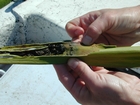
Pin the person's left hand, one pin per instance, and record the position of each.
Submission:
(98, 86)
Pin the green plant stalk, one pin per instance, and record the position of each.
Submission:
(97, 55)
(4, 3)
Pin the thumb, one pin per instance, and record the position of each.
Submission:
(83, 71)
(95, 29)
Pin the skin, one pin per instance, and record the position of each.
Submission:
(96, 85)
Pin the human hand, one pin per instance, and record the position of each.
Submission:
(98, 86)
(109, 26)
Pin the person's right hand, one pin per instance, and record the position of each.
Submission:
(109, 26)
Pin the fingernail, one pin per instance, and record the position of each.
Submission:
(73, 63)
(87, 40)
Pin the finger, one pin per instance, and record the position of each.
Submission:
(79, 25)
(64, 76)
(98, 69)
(74, 29)
(84, 71)
(100, 25)
(69, 78)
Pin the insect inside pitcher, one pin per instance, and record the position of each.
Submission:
(38, 49)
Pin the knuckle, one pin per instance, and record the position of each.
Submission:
(93, 29)
(108, 15)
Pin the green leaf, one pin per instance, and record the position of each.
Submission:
(4, 2)
(60, 52)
